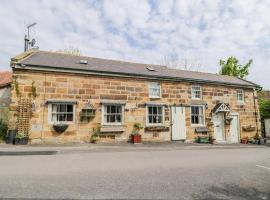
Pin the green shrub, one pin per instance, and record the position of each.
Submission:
(3, 129)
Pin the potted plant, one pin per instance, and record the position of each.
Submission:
(135, 135)
(244, 140)
(60, 127)
(21, 139)
(95, 135)
(252, 141)
(261, 140)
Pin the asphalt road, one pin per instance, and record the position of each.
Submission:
(242, 173)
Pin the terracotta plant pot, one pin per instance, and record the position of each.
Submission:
(244, 141)
(136, 138)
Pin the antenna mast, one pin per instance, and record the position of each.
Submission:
(27, 42)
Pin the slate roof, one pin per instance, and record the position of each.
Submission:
(52, 60)
(5, 78)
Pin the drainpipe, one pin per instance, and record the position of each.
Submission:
(225, 131)
(255, 113)
(43, 110)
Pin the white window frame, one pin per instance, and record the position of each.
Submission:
(153, 86)
(50, 112)
(115, 123)
(193, 92)
(203, 114)
(147, 115)
(243, 96)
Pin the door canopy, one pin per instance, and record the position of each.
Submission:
(221, 107)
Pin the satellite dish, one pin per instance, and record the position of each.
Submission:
(33, 42)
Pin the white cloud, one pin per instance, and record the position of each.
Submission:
(145, 31)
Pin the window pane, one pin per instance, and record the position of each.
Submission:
(69, 108)
(150, 119)
(113, 109)
(62, 108)
(112, 118)
(54, 117)
(119, 109)
(159, 110)
(159, 119)
(201, 120)
(61, 117)
(69, 117)
(154, 110)
(107, 119)
(118, 118)
(54, 108)
(150, 110)
(155, 119)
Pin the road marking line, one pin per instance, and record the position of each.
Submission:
(263, 167)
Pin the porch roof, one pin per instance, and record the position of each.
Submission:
(221, 107)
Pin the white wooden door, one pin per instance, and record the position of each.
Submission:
(178, 123)
(234, 128)
(267, 127)
(218, 120)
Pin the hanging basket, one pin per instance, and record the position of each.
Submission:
(60, 128)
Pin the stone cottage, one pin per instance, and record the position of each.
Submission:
(85, 92)
(5, 92)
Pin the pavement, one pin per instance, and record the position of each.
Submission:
(116, 147)
(126, 171)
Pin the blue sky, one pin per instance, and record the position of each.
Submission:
(190, 33)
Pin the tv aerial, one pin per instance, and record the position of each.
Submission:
(28, 42)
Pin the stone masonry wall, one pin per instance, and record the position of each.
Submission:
(134, 91)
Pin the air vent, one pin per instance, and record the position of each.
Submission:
(83, 62)
(150, 68)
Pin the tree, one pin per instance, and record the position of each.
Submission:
(71, 51)
(232, 67)
(187, 63)
(264, 108)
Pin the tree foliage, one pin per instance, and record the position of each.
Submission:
(231, 67)
(264, 108)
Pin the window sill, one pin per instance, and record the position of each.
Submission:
(240, 103)
(197, 125)
(68, 123)
(112, 128)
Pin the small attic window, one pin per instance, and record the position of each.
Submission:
(83, 62)
(150, 68)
